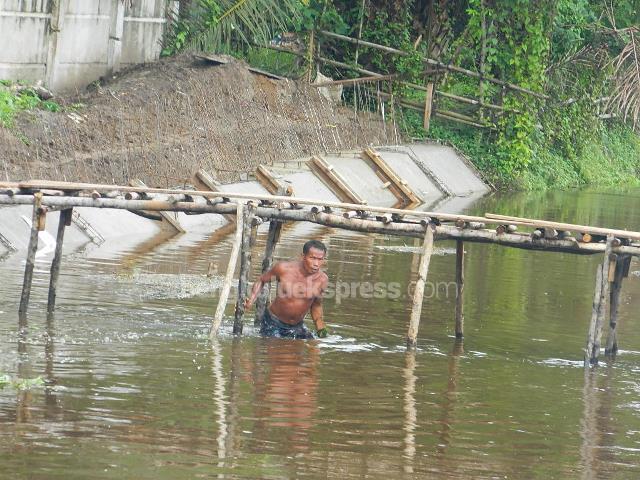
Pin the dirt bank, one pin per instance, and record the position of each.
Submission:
(161, 122)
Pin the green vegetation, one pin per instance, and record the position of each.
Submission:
(20, 383)
(579, 57)
(12, 102)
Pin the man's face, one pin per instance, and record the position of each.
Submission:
(313, 260)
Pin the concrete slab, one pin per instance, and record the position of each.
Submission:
(244, 187)
(306, 184)
(401, 160)
(362, 179)
(457, 204)
(449, 167)
(125, 227)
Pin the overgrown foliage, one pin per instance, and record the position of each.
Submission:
(581, 56)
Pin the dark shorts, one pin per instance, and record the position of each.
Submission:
(272, 326)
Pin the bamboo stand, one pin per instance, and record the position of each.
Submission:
(599, 307)
(459, 289)
(245, 267)
(37, 224)
(275, 227)
(226, 286)
(622, 265)
(64, 221)
(418, 295)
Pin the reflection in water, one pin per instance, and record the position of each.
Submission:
(219, 396)
(450, 398)
(51, 400)
(23, 404)
(410, 413)
(286, 390)
(596, 424)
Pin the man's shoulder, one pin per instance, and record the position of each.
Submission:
(283, 266)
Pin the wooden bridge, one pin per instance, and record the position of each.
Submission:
(617, 247)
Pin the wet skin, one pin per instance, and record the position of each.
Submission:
(300, 287)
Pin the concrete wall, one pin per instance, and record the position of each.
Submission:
(70, 43)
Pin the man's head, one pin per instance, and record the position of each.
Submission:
(313, 255)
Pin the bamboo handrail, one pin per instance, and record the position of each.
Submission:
(415, 230)
(564, 226)
(38, 184)
(488, 218)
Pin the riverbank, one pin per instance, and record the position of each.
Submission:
(161, 122)
(610, 158)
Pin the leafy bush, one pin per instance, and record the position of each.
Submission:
(11, 103)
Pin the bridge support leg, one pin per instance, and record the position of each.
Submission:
(594, 337)
(459, 289)
(622, 265)
(37, 224)
(418, 295)
(245, 267)
(64, 221)
(275, 227)
(231, 267)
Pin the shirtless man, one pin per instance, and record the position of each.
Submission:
(300, 287)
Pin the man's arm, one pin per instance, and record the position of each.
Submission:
(257, 286)
(317, 312)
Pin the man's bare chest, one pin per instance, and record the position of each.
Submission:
(301, 288)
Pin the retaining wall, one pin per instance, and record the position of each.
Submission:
(70, 43)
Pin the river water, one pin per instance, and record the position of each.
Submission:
(133, 388)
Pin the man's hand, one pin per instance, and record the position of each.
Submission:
(247, 303)
(322, 332)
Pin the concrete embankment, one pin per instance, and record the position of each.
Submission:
(428, 176)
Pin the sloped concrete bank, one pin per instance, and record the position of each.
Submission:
(439, 179)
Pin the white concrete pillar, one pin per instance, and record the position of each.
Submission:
(115, 37)
(58, 10)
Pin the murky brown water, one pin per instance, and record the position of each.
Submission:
(134, 389)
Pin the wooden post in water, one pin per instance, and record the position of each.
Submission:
(416, 309)
(599, 307)
(623, 264)
(64, 221)
(226, 286)
(459, 288)
(245, 267)
(37, 222)
(275, 227)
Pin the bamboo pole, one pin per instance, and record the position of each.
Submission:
(597, 297)
(436, 63)
(598, 310)
(565, 226)
(418, 295)
(36, 222)
(404, 229)
(275, 227)
(621, 267)
(353, 81)
(428, 102)
(226, 286)
(113, 203)
(459, 289)
(245, 267)
(63, 222)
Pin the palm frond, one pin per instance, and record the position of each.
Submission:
(224, 23)
(625, 99)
